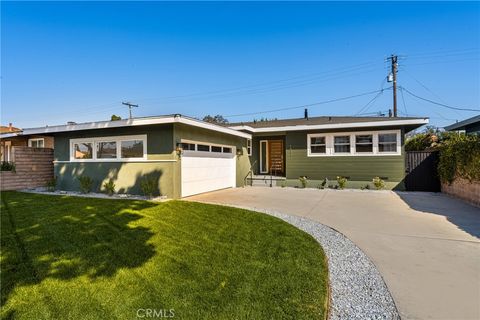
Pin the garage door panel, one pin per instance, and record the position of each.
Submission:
(202, 174)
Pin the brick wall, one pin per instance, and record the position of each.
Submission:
(463, 189)
(33, 168)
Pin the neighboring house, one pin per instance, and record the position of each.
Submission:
(182, 156)
(359, 148)
(11, 137)
(471, 125)
(185, 156)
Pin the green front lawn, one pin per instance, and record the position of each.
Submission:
(76, 258)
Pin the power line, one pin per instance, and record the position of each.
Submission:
(438, 103)
(366, 106)
(404, 104)
(305, 105)
(283, 83)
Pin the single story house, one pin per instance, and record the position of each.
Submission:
(186, 156)
(358, 148)
(470, 125)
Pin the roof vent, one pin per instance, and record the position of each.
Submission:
(305, 115)
(71, 123)
(329, 118)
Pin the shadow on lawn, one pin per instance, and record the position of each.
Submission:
(51, 237)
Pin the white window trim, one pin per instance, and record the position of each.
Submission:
(30, 141)
(117, 139)
(249, 147)
(263, 170)
(329, 141)
(309, 143)
(210, 145)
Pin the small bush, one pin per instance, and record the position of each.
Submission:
(109, 187)
(303, 181)
(320, 187)
(86, 184)
(365, 187)
(51, 184)
(378, 183)
(7, 166)
(342, 182)
(325, 183)
(149, 186)
(283, 184)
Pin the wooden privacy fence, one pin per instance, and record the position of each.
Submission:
(421, 171)
(33, 168)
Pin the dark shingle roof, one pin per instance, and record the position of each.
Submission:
(462, 124)
(316, 121)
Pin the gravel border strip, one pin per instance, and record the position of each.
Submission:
(357, 289)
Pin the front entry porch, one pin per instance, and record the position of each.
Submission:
(272, 157)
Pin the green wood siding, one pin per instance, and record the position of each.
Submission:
(159, 139)
(357, 168)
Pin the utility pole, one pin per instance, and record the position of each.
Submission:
(394, 59)
(130, 106)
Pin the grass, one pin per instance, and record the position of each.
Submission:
(83, 258)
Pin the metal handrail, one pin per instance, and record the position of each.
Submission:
(250, 173)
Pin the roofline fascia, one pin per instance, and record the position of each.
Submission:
(421, 121)
(134, 122)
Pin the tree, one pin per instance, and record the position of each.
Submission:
(114, 117)
(218, 119)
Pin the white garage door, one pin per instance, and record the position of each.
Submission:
(204, 171)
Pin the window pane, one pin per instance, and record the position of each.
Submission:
(227, 150)
(317, 140)
(263, 155)
(388, 137)
(216, 149)
(82, 150)
(364, 148)
(342, 144)
(203, 147)
(106, 150)
(342, 139)
(317, 149)
(132, 149)
(342, 148)
(364, 138)
(188, 146)
(387, 147)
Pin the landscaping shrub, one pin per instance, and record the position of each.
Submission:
(378, 183)
(303, 181)
(51, 184)
(109, 187)
(283, 184)
(342, 182)
(86, 184)
(459, 157)
(325, 183)
(7, 166)
(149, 186)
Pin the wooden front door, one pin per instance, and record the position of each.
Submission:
(275, 157)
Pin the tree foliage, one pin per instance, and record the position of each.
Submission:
(218, 119)
(459, 157)
(114, 117)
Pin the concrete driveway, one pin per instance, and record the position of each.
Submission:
(425, 245)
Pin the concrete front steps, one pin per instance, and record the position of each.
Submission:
(265, 181)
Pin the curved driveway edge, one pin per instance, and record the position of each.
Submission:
(357, 290)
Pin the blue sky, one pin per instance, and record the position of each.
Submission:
(76, 61)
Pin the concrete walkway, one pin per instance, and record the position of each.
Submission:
(425, 245)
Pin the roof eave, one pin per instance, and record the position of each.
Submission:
(412, 123)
